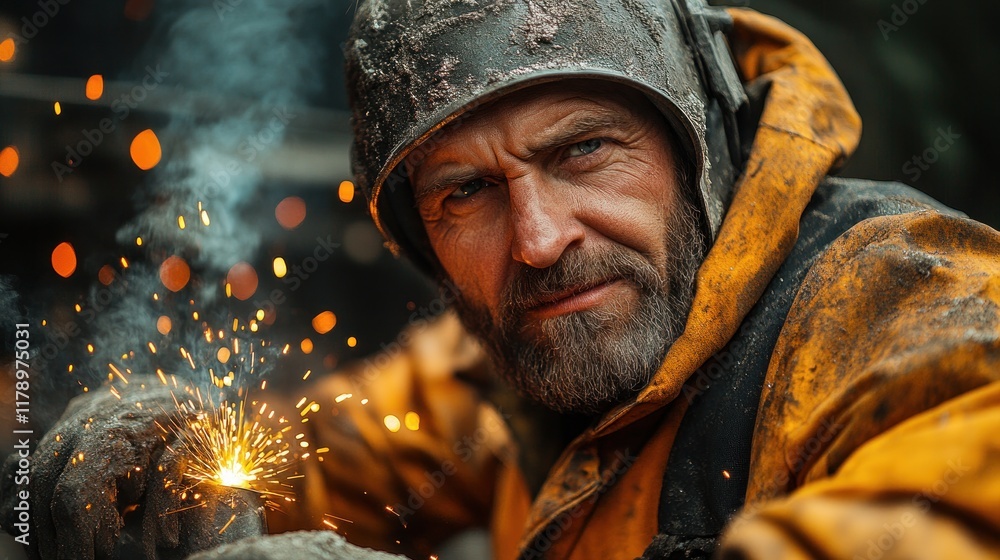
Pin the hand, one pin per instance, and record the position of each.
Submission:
(180, 518)
(301, 544)
(89, 470)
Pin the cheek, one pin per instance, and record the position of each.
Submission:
(630, 205)
(475, 256)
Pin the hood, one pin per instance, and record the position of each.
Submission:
(808, 127)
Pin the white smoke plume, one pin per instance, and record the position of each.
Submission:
(256, 64)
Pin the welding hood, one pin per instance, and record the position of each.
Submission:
(417, 66)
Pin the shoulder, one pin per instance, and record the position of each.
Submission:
(838, 205)
(899, 313)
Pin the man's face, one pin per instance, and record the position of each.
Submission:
(559, 212)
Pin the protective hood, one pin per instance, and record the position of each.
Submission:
(418, 68)
(808, 127)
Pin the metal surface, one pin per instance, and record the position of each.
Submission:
(416, 66)
(228, 515)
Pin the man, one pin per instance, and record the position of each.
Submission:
(646, 242)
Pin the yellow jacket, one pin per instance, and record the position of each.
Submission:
(875, 436)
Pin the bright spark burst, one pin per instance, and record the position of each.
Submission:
(219, 427)
(229, 445)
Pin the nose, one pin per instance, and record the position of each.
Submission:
(543, 221)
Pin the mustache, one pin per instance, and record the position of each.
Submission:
(575, 272)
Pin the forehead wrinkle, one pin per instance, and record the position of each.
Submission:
(573, 126)
(583, 114)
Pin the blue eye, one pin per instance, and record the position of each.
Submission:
(584, 148)
(469, 189)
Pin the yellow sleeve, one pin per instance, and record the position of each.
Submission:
(878, 435)
(413, 449)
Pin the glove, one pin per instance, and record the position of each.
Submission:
(180, 519)
(91, 469)
(300, 544)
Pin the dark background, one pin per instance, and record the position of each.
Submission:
(931, 69)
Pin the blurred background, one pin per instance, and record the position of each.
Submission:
(126, 125)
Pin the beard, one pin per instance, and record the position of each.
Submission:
(587, 361)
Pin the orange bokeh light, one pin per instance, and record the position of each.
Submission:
(9, 158)
(64, 259)
(346, 191)
(175, 273)
(145, 150)
(242, 279)
(163, 324)
(6, 50)
(106, 275)
(324, 322)
(290, 212)
(138, 10)
(95, 87)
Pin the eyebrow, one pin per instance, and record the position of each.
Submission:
(446, 181)
(578, 128)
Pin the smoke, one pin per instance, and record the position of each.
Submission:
(255, 60)
(10, 315)
(251, 64)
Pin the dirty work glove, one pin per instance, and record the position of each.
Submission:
(304, 545)
(89, 470)
(180, 517)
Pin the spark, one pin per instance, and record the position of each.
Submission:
(217, 421)
(394, 512)
(228, 523)
(392, 423)
(412, 421)
(227, 445)
(118, 373)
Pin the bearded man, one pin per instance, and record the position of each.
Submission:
(645, 240)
